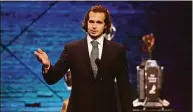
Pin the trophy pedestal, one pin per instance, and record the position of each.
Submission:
(149, 79)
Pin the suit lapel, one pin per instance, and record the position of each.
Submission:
(105, 55)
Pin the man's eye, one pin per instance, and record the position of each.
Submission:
(99, 22)
(91, 21)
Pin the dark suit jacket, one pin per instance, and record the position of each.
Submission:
(91, 94)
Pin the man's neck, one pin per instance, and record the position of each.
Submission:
(95, 38)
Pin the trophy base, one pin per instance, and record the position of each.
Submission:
(161, 104)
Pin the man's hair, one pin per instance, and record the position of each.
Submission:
(100, 9)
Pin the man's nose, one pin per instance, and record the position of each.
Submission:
(94, 25)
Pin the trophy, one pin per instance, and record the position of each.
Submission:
(148, 43)
(149, 79)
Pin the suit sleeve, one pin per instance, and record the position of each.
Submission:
(57, 71)
(123, 83)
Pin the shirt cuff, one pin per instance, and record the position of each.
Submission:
(45, 70)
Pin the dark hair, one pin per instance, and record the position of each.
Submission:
(97, 8)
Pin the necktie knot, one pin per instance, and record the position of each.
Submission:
(94, 44)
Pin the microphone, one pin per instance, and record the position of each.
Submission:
(97, 62)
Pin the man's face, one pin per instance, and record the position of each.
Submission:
(96, 24)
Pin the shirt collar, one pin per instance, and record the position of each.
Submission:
(99, 40)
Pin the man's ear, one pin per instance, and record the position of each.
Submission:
(105, 27)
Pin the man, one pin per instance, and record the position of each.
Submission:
(68, 80)
(90, 61)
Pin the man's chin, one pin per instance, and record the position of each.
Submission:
(94, 36)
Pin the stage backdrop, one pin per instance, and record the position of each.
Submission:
(26, 26)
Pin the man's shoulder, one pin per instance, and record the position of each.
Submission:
(116, 44)
(74, 43)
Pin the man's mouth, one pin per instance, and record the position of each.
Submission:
(93, 32)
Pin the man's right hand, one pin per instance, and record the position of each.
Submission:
(42, 58)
